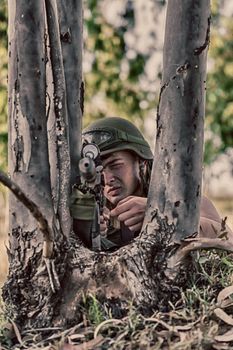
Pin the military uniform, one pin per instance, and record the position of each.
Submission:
(82, 210)
(110, 135)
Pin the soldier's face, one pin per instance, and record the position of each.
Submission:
(121, 176)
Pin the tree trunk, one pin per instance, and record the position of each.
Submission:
(28, 150)
(71, 21)
(49, 290)
(33, 252)
(175, 190)
(28, 145)
(180, 118)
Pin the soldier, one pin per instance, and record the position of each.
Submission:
(127, 162)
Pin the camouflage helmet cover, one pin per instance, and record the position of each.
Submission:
(117, 134)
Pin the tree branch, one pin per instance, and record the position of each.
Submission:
(31, 206)
(70, 14)
(60, 108)
(177, 166)
(192, 244)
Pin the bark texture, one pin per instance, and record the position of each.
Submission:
(71, 22)
(37, 257)
(28, 150)
(61, 118)
(175, 189)
(46, 286)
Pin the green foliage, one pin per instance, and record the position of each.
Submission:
(213, 273)
(113, 78)
(93, 309)
(115, 75)
(219, 99)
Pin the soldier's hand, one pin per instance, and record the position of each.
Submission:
(103, 226)
(131, 211)
(104, 221)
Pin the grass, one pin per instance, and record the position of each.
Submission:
(198, 320)
(93, 310)
(194, 322)
(184, 327)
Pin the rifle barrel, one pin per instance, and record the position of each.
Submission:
(87, 169)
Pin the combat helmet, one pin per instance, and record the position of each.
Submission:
(117, 134)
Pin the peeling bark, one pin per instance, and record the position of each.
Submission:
(48, 291)
(71, 23)
(28, 150)
(29, 165)
(175, 189)
(61, 118)
(30, 205)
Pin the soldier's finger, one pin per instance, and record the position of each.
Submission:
(122, 208)
(135, 228)
(134, 220)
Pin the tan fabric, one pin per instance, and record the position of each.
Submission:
(211, 222)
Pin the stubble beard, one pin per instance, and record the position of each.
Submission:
(137, 191)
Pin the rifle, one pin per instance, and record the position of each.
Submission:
(91, 180)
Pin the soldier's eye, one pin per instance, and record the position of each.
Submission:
(116, 165)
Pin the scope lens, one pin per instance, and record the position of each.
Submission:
(90, 150)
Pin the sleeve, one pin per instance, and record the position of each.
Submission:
(82, 210)
(82, 205)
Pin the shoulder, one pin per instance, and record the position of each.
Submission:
(211, 222)
(208, 210)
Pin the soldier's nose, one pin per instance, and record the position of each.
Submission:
(108, 178)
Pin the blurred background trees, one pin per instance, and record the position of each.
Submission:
(123, 62)
(219, 102)
(122, 44)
